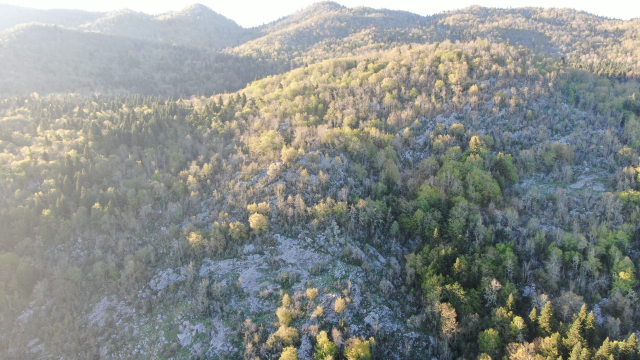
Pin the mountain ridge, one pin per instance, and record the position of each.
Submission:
(12, 15)
(326, 29)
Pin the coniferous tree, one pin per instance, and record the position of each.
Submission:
(545, 327)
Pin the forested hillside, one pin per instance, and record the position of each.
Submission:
(385, 186)
(322, 31)
(44, 59)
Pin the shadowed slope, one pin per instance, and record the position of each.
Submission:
(49, 59)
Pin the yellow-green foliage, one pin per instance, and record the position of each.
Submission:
(287, 334)
(325, 349)
(258, 223)
(285, 316)
(318, 312)
(340, 305)
(357, 349)
(289, 353)
(312, 293)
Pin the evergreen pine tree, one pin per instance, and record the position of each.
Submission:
(511, 302)
(590, 328)
(574, 336)
(544, 321)
(577, 352)
(604, 352)
(533, 320)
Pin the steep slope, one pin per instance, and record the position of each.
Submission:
(459, 186)
(45, 59)
(605, 46)
(449, 200)
(326, 30)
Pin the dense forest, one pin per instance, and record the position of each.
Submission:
(338, 184)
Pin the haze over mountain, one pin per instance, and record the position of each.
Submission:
(45, 59)
(11, 16)
(321, 31)
(343, 183)
(195, 26)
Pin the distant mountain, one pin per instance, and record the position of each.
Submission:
(45, 58)
(11, 16)
(195, 26)
(321, 31)
(327, 30)
(336, 29)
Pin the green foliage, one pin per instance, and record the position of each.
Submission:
(357, 349)
(483, 188)
(265, 143)
(489, 341)
(558, 153)
(545, 326)
(360, 145)
(18, 277)
(624, 275)
(630, 197)
(506, 171)
(324, 348)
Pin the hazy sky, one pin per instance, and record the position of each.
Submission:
(255, 12)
